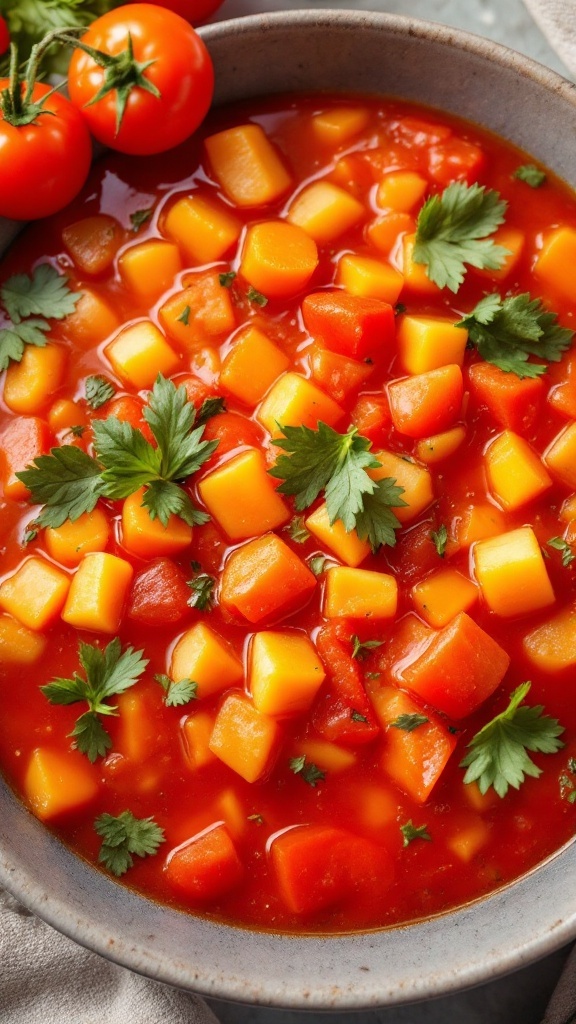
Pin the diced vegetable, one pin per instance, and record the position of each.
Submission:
(140, 352)
(93, 242)
(97, 593)
(352, 325)
(244, 738)
(205, 867)
(147, 537)
(149, 268)
(359, 594)
(515, 471)
(204, 230)
(284, 672)
(426, 343)
(247, 165)
(252, 365)
(426, 403)
(264, 579)
(257, 507)
(442, 596)
(70, 542)
(206, 658)
(30, 384)
(346, 545)
(512, 574)
(293, 400)
(59, 782)
(36, 593)
(278, 259)
(325, 211)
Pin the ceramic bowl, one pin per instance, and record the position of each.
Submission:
(534, 108)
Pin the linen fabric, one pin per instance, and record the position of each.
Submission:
(557, 21)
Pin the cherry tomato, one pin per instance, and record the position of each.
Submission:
(5, 35)
(168, 57)
(44, 164)
(195, 11)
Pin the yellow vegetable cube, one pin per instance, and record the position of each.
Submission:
(478, 522)
(438, 447)
(35, 593)
(374, 279)
(340, 124)
(203, 656)
(293, 400)
(244, 738)
(147, 537)
(285, 672)
(247, 165)
(514, 470)
(64, 413)
(30, 384)
(252, 365)
(346, 546)
(149, 268)
(97, 594)
(278, 259)
(19, 645)
(327, 756)
(415, 275)
(428, 342)
(140, 352)
(325, 211)
(203, 229)
(401, 190)
(197, 729)
(551, 647)
(560, 456)
(93, 242)
(359, 594)
(70, 542)
(442, 596)
(92, 321)
(555, 262)
(58, 782)
(512, 574)
(415, 480)
(568, 510)
(242, 498)
(468, 839)
(201, 314)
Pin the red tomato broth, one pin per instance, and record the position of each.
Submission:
(522, 829)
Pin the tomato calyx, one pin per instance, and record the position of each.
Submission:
(16, 104)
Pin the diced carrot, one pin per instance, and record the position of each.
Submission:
(18, 644)
(440, 597)
(317, 866)
(347, 545)
(69, 542)
(352, 325)
(325, 211)
(59, 782)
(141, 734)
(252, 365)
(513, 402)
(371, 417)
(551, 647)
(147, 537)
(30, 384)
(555, 261)
(159, 594)
(455, 160)
(257, 506)
(93, 242)
(440, 446)
(385, 232)
(278, 259)
(35, 593)
(401, 190)
(294, 400)
(24, 439)
(207, 658)
(409, 638)
(205, 867)
(337, 375)
(514, 470)
(426, 403)
(149, 268)
(264, 580)
(91, 322)
(342, 713)
(204, 229)
(199, 314)
(373, 279)
(460, 668)
(340, 124)
(64, 413)
(560, 456)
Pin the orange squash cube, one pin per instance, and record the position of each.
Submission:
(59, 782)
(560, 456)
(204, 657)
(205, 230)
(197, 730)
(285, 672)
(252, 365)
(374, 279)
(92, 321)
(348, 547)
(415, 481)
(244, 738)
(326, 755)
(468, 837)
(514, 470)
(200, 314)
(401, 190)
(148, 268)
(30, 384)
(64, 414)
(386, 232)
(294, 401)
(442, 596)
(512, 573)
(340, 124)
(551, 647)
(147, 537)
(514, 241)
(206, 866)
(278, 259)
(256, 506)
(140, 735)
(265, 580)
(477, 523)
(426, 403)
(93, 242)
(415, 274)
(359, 594)
(247, 165)
(19, 645)
(438, 447)
(98, 592)
(427, 342)
(35, 593)
(325, 211)
(555, 261)
(140, 352)
(69, 543)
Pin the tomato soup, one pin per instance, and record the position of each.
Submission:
(288, 562)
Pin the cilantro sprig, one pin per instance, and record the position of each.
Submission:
(30, 301)
(507, 331)
(69, 482)
(452, 233)
(307, 770)
(530, 174)
(176, 691)
(202, 587)
(499, 751)
(324, 460)
(408, 722)
(124, 836)
(410, 832)
(107, 672)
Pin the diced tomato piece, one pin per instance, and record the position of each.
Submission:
(414, 555)
(317, 867)
(410, 634)
(426, 403)
(159, 593)
(24, 440)
(352, 325)
(231, 431)
(459, 669)
(371, 417)
(127, 409)
(418, 132)
(207, 866)
(337, 375)
(455, 160)
(562, 377)
(342, 704)
(513, 402)
(197, 390)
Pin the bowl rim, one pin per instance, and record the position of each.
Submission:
(77, 913)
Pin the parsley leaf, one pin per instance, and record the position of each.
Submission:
(68, 482)
(498, 755)
(202, 587)
(357, 716)
(307, 770)
(440, 539)
(531, 174)
(106, 673)
(318, 564)
(185, 316)
(507, 331)
(140, 217)
(323, 459)
(210, 407)
(409, 722)
(226, 279)
(411, 832)
(123, 836)
(98, 391)
(361, 649)
(560, 544)
(177, 692)
(297, 530)
(452, 230)
(43, 293)
(256, 297)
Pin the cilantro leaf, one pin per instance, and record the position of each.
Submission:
(357, 716)
(171, 417)
(177, 692)
(129, 460)
(409, 722)
(376, 522)
(560, 544)
(297, 530)
(531, 174)
(210, 407)
(507, 331)
(90, 736)
(202, 587)
(124, 836)
(43, 293)
(226, 279)
(67, 482)
(256, 297)
(440, 539)
(318, 564)
(498, 752)
(411, 832)
(309, 771)
(452, 230)
(140, 217)
(98, 391)
(361, 649)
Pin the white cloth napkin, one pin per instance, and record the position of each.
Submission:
(557, 20)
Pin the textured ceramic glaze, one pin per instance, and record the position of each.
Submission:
(533, 107)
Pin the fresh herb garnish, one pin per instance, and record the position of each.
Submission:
(507, 331)
(452, 230)
(177, 692)
(322, 459)
(107, 672)
(498, 752)
(531, 174)
(297, 530)
(356, 716)
(98, 391)
(317, 564)
(399, 308)
(560, 544)
(256, 297)
(409, 722)
(210, 407)
(227, 279)
(30, 301)
(256, 818)
(184, 317)
(202, 587)
(123, 836)
(140, 217)
(411, 832)
(77, 430)
(361, 648)
(440, 539)
(307, 770)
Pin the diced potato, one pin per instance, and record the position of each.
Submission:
(252, 365)
(359, 594)
(278, 259)
(35, 593)
(285, 672)
(247, 165)
(555, 262)
(201, 314)
(70, 542)
(326, 755)
(401, 190)
(468, 839)
(149, 268)
(265, 579)
(19, 645)
(438, 447)
(325, 211)
(244, 738)
(551, 647)
(477, 523)
(514, 470)
(58, 782)
(147, 537)
(93, 242)
(415, 276)
(204, 230)
(340, 124)
(97, 593)
(293, 400)
(512, 574)
(30, 384)
(441, 596)
(203, 656)
(560, 456)
(197, 730)
(363, 275)
(415, 480)
(346, 546)
(427, 342)
(92, 321)
(257, 507)
(140, 352)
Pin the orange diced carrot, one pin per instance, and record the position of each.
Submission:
(24, 439)
(207, 866)
(265, 580)
(426, 403)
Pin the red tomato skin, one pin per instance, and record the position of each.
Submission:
(43, 165)
(159, 594)
(4, 36)
(181, 70)
(194, 11)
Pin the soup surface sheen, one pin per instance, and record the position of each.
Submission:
(311, 779)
